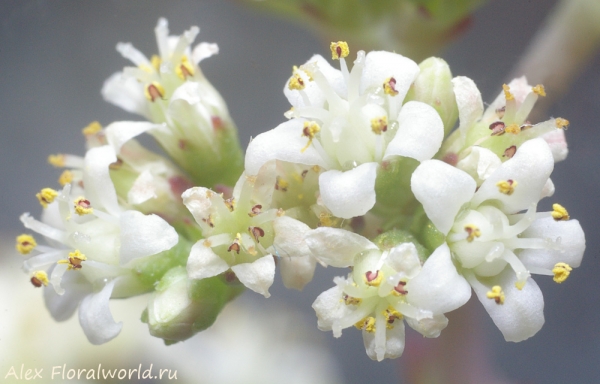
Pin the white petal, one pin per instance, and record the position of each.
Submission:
(394, 343)
(429, 327)
(143, 235)
(99, 188)
(468, 100)
(351, 193)
(62, 307)
(336, 247)
(125, 92)
(95, 317)
(143, 189)
(404, 258)
(203, 262)
(530, 167)
(285, 142)
(566, 236)
(420, 132)
(381, 65)
(198, 202)
(442, 189)
(204, 51)
(480, 163)
(296, 272)
(438, 287)
(258, 276)
(330, 307)
(548, 189)
(522, 314)
(558, 144)
(120, 132)
(297, 262)
(312, 90)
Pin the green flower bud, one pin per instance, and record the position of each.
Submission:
(180, 307)
(434, 87)
(390, 239)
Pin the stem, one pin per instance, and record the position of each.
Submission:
(561, 49)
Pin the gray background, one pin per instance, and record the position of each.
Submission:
(55, 55)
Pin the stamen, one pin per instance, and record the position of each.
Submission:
(379, 125)
(155, 61)
(391, 315)
(497, 294)
(472, 232)
(39, 278)
(349, 300)
(154, 91)
(92, 128)
(25, 244)
(235, 246)
(561, 271)
(184, 69)
(561, 123)
(373, 279)
(256, 209)
(366, 324)
(339, 50)
(506, 186)
(46, 196)
(507, 94)
(497, 128)
(209, 220)
(281, 184)
(230, 203)
(65, 178)
(83, 206)
(310, 129)
(539, 90)
(74, 261)
(513, 128)
(559, 213)
(296, 82)
(57, 160)
(399, 289)
(389, 86)
(510, 151)
(257, 233)
(500, 112)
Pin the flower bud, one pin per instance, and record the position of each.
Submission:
(180, 307)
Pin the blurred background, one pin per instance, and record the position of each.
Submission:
(54, 57)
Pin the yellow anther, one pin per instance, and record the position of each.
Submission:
(83, 206)
(154, 91)
(373, 279)
(25, 244)
(230, 203)
(310, 129)
(497, 294)
(391, 315)
(561, 272)
(349, 300)
(280, 212)
(559, 213)
(507, 94)
(512, 128)
(281, 184)
(472, 232)
(92, 128)
(316, 168)
(506, 186)
(155, 61)
(207, 243)
(539, 90)
(366, 324)
(39, 278)
(389, 86)
(326, 220)
(46, 196)
(297, 177)
(74, 261)
(57, 160)
(65, 178)
(339, 50)
(184, 69)
(379, 125)
(520, 284)
(561, 123)
(296, 82)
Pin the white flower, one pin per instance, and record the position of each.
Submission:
(501, 128)
(387, 287)
(348, 123)
(496, 246)
(95, 244)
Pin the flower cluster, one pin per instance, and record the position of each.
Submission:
(365, 174)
